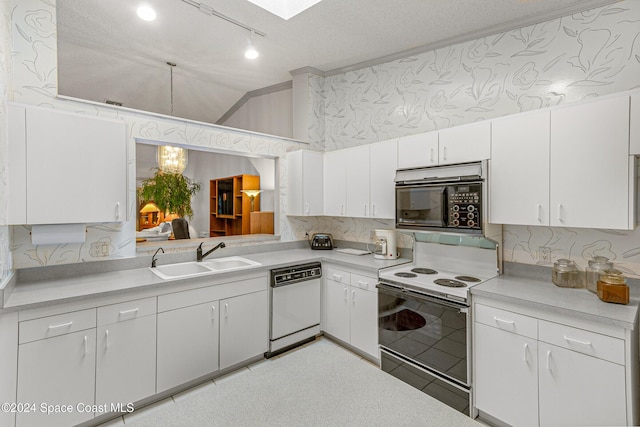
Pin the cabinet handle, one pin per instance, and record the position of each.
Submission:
(366, 210)
(133, 310)
(346, 294)
(213, 312)
(106, 334)
(444, 153)
(226, 310)
(526, 353)
(306, 208)
(342, 209)
(549, 360)
(373, 210)
(86, 345)
(432, 158)
(499, 320)
(61, 325)
(337, 277)
(560, 211)
(573, 340)
(539, 212)
(353, 297)
(117, 210)
(362, 284)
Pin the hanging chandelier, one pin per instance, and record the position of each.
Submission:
(172, 159)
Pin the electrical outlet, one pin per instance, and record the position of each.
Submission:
(544, 254)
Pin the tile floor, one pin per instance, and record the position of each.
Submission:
(319, 384)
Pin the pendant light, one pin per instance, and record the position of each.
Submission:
(251, 52)
(172, 159)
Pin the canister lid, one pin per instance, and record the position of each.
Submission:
(612, 276)
(564, 264)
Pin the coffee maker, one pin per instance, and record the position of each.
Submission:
(386, 247)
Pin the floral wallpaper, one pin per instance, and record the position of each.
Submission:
(584, 55)
(32, 40)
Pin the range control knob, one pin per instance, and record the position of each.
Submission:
(470, 215)
(470, 223)
(470, 208)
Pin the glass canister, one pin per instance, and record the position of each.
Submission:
(565, 274)
(612, 287)
(596, 265)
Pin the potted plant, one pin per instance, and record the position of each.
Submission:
(172, 192)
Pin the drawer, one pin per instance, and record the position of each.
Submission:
(126, 311)
(507, 321)
(582, 341)
(364, 282)
(339, 276)
(52, 326)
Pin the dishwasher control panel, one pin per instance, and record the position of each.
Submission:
(297, 273)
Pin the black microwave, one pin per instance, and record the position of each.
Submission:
(440, 203)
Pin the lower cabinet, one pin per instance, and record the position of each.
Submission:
(244, 328)
(530, 371)
(351, 309)
(56, 370)
(126, 352)
(187, 344)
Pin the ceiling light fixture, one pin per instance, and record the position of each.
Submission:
(146, 12)
(251, 52)
(285, 9)
(172, 159)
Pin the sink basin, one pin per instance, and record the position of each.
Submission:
(230, 263)
(183, 269)
(193, 268)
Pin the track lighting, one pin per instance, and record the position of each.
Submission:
(146, 12)
(251, 52)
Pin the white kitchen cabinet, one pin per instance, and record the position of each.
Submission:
(351, 309)
(244, 331)
(465, 143)
(418, 151)
(8, 364)
(534, 368)
(56, 366)
(383, 158)
(74, 167)
(187, 344)
(126, 351)
(304, 183)
(519, 169)
(634, 131)
(590, 165)
(335, 183)
(357, 179)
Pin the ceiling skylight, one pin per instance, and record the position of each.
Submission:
(285, 9)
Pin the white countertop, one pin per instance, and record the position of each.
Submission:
(544, 295)
(27, 295)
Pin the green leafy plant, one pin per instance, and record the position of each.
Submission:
(172, 192)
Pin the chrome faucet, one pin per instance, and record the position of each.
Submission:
(153, 258)
(200, 256)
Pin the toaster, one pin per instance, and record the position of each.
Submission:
(321, 241)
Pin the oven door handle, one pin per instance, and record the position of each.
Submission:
(404, 293)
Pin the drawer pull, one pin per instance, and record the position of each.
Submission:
(61, 325)
(133, 310)
(499, 320)
(337, 277)
(573, 340)
(362, 284)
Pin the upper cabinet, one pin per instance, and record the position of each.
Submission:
(382, 172)
(66, 167)
(519, 169)
(335, 183)
(460, 144)
(590, 165)
(304, 173)
(564, 167)
(635, 124)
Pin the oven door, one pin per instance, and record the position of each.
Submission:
(421, 206)
(425, 330)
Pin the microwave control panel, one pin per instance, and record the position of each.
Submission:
(464, 206)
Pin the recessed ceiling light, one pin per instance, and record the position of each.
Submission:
(146, 12)
(285, 9)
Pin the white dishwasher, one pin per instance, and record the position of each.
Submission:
(295, 306)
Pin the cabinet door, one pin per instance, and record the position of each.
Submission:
(382, 171)
(125, 371)
(590, 165)
(187, 344)
(519, 170)
(335, 183)
(634, 132)
(506, 375)
(304, 188)
(357, 171)
(466, 143)
(418, 151)
(57, 371)
(16, 165)
(579, 390)
(364, 320)
(337, 310)
(76, 168)
(243, 328)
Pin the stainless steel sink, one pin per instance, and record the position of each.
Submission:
(193, 268)
(230, 263)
